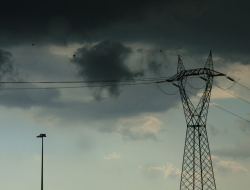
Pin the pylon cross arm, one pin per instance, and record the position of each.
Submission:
(192, 72)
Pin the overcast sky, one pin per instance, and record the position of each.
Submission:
(118, 137)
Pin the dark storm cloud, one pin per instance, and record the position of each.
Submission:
(7, 68)
(155, 67)
(188, 27)
(102, 62)
(157, 61)
(105, 60)
(198, 25)
(61, 21)
(4, 57)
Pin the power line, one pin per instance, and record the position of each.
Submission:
(231, 79)
(230, 112)
(233, 94)
(225, 91)
(66, 87)
(242, 85)
(87, 81)
(195, 87)
(163, 91)
(142, 81)
(221, 108)
(229, 87)
(91, 84)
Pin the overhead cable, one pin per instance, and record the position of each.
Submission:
(233, 94)
(221, 108)
(86, 81)
(229, 78)
(229, 87)
(195, 87)
(242, 85)
(163, 91)
(227, 92)
(86, 86)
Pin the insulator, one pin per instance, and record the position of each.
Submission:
(230, 79)
(203, 78)
(160, 81)
(175, 85)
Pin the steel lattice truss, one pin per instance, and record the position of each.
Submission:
(197, 169)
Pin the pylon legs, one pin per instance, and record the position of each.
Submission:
(197, 170)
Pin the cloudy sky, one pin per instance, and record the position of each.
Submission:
(108, 135)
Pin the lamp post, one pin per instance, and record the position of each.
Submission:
(41, 136)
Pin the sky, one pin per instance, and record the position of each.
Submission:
(116, 136)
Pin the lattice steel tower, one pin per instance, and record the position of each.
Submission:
(197, 169)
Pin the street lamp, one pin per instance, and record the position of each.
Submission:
(41, 136)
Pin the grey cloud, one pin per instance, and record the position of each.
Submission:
(145, 99)
(157, 61)
(133, 101)
(102, 62)
(155, 67)
(240, 150)
(227, 166)
(4, 56)
(27, 98)
(244, 127)
(150, 172)
(169, 171)
(103, 115)
(86, 143)
(129, 135)
(215, 130)
(7, 68)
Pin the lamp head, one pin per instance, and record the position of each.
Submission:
(41, 136)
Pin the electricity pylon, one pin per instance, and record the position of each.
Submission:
(197, 169)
